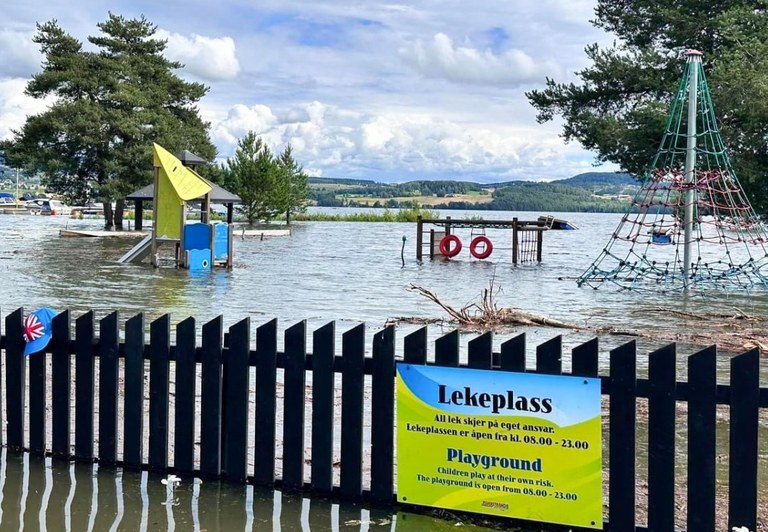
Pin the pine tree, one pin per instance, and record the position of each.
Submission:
(298, 184)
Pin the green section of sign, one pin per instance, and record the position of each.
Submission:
(525, 467)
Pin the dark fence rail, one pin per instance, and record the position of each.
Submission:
(214, 375)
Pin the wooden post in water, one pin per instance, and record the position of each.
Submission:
(539, 243)
(431, 243)
(419, 238)
(515, 242)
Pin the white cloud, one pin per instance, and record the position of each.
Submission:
(19, 56)
(393, 145)
(15, 106)
(209, 58)
(440, 58)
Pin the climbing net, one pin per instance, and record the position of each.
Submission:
(727, 239)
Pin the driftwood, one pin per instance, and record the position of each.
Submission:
(486, 313)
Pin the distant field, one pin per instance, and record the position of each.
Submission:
(429, 200)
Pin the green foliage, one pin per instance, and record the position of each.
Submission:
(111, 104)
(298, 183)
(403, 215)
(620, 106)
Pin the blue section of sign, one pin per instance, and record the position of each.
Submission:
(485, 392)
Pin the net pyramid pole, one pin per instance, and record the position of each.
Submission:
(694, 56)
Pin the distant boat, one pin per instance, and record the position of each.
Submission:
(556, 223)
(48, 207)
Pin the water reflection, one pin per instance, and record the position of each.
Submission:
(44, 494)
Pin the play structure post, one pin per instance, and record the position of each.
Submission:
(694, 59)
(153, 254)
(419, 237)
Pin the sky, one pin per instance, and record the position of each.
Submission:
(425, 89)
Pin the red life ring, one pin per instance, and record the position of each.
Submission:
(445, 245)
(476, 242)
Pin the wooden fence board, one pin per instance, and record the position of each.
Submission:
(415, 347)
(743, 466)
(236, 393)
(266, 403)
(293, 406)
(84, 386)
(210, 398)
(512, 354)
(383, 416)
(133, 402)
(323, 353)
(702, 394)
(661, 438)
(447, 350)
(584, 359)
(621, 446)
(15, 378)
(352, 390)
(480, 351)
(109, 343)
(549, 356)
(159, 367)
(61, 379)
(184, 414)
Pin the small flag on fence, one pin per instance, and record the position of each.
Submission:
(37, 329)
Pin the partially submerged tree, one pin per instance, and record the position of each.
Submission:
(257, 178)
(95, 140)
(298, 183)
(620, 106)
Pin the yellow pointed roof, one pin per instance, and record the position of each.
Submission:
(186, 182)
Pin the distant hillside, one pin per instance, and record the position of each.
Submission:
(598, 179)
(340, 181)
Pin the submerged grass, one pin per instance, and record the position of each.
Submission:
(402, 215)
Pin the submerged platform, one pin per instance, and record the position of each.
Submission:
(140, 234)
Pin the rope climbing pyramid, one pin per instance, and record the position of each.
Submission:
(690, 225)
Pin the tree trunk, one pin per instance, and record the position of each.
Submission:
(109, 215)
(119, 211)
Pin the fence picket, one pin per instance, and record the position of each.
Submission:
(133, 402)
(61, 379)
(661, 438)
(159, 367)
(184, 414)
(702, 395)
(210, 398)
(480, 351)
(84, 386)
(383, 416)
(37, 397)
(415, 347)
(293, 406)
(512, 354)
(15, 373)
(621, 447)
(323, 352)
(352, 389)
(266, 402)
(447, 349)
(745, 410)
(236, 393)
(549, 356)
(109, 340)
(584, 359)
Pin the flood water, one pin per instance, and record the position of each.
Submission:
(350, 272)
(41, 494)
(347, 271)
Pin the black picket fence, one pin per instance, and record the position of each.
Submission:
(218, 370)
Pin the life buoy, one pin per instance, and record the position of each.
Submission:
(476, 242)
(445, 245)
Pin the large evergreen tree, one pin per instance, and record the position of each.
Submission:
(110, 105)
(619, 107)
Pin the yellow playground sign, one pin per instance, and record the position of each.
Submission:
(519, 445)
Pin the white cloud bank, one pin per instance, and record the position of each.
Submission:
(19, 56)
(441, 58)
(209, 58)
